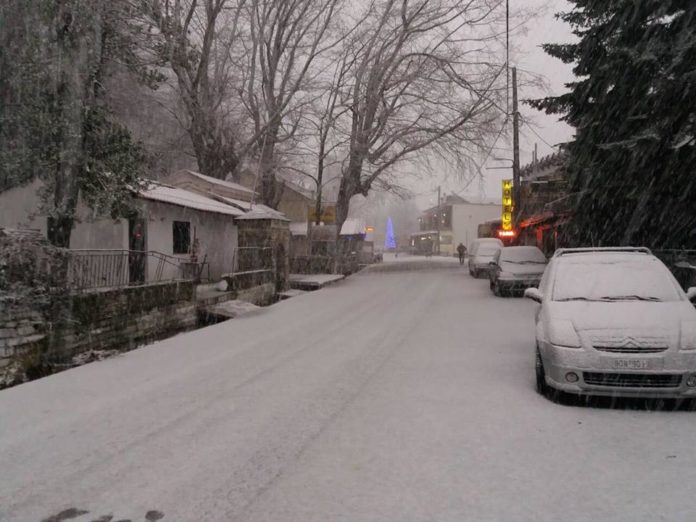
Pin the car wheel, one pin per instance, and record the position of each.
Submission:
(541, 385)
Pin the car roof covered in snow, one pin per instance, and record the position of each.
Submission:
(186, 198)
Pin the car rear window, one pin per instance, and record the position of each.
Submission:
(487, 250)
(522, 254)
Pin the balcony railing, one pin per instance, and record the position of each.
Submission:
(94, 269)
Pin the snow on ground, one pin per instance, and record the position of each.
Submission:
(399, 395)
(315, 279)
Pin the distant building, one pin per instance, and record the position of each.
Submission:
(459, 221)
(546, 205)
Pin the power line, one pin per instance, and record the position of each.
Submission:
(538, 135)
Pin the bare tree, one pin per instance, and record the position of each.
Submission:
(425, 81)
(196, 38)
(286, 38)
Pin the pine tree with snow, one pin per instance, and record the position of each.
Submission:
(631, 164)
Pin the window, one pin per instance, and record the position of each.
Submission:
(182, 237)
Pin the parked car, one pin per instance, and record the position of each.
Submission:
(481, 254)
(614, 321)
(515, 268)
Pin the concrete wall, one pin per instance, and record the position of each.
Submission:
(466, 218)
(19, 208)
(216, 233)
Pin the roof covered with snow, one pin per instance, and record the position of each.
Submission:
(263, 212)
(353, 227)
(186, 198)
(220, 182)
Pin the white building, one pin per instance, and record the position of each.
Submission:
(175, 226)
(459, 221)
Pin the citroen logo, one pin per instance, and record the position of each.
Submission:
(629, 342)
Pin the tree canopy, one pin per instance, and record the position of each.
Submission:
(631, 164)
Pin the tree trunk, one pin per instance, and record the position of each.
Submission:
(270, 195)
(79, 50)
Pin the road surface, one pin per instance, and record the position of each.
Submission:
(401, 394)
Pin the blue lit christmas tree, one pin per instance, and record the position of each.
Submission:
(389, 241)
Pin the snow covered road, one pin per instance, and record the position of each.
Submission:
(401, 394)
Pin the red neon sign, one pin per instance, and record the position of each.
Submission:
(506, 233)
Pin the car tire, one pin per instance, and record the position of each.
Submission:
(541, 386)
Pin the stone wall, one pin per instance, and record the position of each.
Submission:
(120, 318)
(127, 317)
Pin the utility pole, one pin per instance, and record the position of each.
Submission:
(439, 218)
(516, 188)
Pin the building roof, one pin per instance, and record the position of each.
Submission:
(220, 182)
(552, 162)
(353, 227)
(186, 198)
(263, 212)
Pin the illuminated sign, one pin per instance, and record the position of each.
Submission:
(328, 215)
(507, 205)
(506, 233)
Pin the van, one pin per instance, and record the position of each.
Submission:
(476, 265)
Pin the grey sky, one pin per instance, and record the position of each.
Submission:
(543, 29)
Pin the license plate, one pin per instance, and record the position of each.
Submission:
(630, 364)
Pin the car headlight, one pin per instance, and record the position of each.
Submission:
(562, 333)
(687, 339)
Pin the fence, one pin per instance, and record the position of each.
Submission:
(92, 269)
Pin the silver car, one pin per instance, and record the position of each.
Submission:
(614, 321)
(515, 268)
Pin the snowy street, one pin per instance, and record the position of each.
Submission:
(402, 393)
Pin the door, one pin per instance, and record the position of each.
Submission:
(136, 247)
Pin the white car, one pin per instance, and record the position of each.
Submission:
(481, 254)
(614, 321)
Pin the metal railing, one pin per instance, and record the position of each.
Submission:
(94, 269)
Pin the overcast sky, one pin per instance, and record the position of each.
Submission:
(544, 29)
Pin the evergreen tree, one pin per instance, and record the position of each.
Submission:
(54, 123)
(631, 164)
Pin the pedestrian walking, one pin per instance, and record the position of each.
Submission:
(461, 250)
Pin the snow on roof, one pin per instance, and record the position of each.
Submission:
(244, 205)
(299, 228)
(221, 182)
(263, 212)
(186, 198)
(353, 227)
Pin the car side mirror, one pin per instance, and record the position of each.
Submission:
(691, 294)
(534, 294)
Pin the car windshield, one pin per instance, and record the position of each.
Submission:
(613, 279)
(522, 255)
